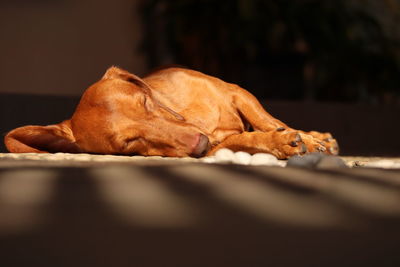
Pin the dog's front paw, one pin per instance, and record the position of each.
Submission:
(329, 142)
(302, 143)
(288, 143)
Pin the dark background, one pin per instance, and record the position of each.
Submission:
(324, 65)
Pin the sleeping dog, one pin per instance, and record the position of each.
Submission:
(173, 112)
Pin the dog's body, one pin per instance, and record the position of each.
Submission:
(171, 112)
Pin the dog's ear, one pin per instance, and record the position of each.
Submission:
(118, 73)
(41, 139)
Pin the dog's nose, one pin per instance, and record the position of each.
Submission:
(203, 145)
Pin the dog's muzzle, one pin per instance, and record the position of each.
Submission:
(202, 147)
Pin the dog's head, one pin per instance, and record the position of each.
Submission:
(117, 115)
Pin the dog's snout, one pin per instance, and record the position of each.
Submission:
(202, 146)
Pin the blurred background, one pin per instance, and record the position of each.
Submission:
(328, 65)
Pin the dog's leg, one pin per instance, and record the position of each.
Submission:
(254, 113)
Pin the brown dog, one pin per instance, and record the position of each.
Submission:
(172, 112)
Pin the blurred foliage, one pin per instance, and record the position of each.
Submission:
(313, 49)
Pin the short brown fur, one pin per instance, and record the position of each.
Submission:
(165, 114)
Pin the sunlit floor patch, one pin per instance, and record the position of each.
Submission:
(140, 200)
(266, 201)
(23, 195)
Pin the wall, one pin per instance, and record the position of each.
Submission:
(60, 47)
